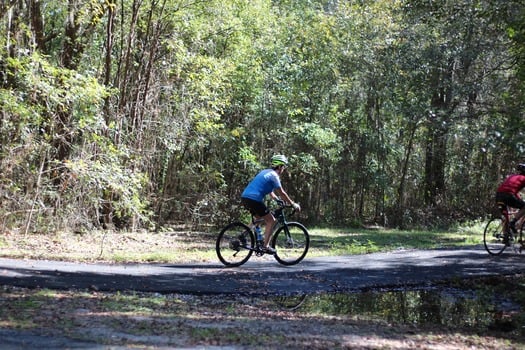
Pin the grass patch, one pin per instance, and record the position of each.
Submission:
(195, 247)
(362, 241)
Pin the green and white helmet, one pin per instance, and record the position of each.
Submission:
(279, 159)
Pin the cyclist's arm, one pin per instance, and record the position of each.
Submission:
(281, 193)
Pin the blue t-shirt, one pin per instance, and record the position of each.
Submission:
(263, 183)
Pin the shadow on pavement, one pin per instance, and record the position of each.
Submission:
(314, 275)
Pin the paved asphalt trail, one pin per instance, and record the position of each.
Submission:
(264, 276)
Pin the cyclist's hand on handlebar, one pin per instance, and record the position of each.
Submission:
(296, 206)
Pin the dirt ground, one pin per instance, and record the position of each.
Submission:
(106, 320)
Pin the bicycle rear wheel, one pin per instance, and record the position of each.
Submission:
(234, 244)
(494, 237)
(291, 243)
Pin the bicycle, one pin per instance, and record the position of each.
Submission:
(237, 241)
(498, 234)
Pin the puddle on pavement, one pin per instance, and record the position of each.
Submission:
(454, 308)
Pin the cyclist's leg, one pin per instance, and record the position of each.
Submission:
(260, 210)
(269, 221)
(518, 218)
(519, 204)
(504, 200)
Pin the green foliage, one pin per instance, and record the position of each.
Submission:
(95, 167)
(383, 107)
(105, 182)
(323, 140)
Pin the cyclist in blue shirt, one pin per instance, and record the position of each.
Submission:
(267, 182)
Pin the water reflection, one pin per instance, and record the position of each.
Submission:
(450, 307)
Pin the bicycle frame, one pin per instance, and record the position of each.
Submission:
(280, 220)
(508, 213)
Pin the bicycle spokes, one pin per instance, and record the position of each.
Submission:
(291, 243)
(233, 245)
(496, 237)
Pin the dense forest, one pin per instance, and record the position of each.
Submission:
(144, 113)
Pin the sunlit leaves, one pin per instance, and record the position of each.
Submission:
(104, 181)
(208, 90)
(320, 140)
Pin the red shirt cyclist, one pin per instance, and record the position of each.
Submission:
(509, 193)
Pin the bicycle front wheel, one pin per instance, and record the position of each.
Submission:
(291, 243)
(234, 244)
(493, 237)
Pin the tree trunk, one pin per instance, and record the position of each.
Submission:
(438, 127)
(404, 173)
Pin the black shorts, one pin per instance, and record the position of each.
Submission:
(510, 200)
(256, 208)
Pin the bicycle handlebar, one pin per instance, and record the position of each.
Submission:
(282, 205)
